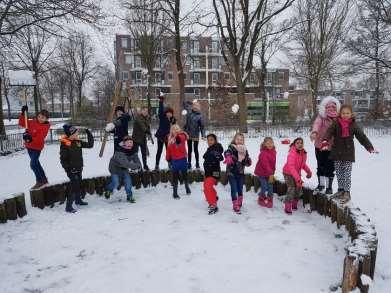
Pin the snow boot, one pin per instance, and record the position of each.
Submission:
(329, 189)
(269, 202)
(261, 200)
(345, 198)
(70, 210)
(288, 207)
(235, 206)
(212, 209)
(157, 168)
(130, 199)
(68, 207)
(188, 191)
(240, 200)
(107, 194)
(175, 192)
(294, 204)
(80, 202)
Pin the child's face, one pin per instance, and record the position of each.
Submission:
(168, 115)
(211, 141)
(331, 107)
(74, 136)
(128, 144)
(144, 112)
(346, 113)
(239, 140)
(42, 119)
(269, 144)
(299, 145)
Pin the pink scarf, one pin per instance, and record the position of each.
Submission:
(331, 113)
(345, 125)
(241, 151)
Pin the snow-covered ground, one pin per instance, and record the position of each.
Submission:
(174, 246)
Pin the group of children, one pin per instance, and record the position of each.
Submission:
(333, 132)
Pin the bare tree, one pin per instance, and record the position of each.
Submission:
(317, 41)
(33, 47)
(147, 24)
(103, 88)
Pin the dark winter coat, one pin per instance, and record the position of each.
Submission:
(141, 128)
(343, 147)
(164, 123)
(123, 160)
(238, 167)
(194, 124)
(71, 155)
(213, 157)
(121, 128)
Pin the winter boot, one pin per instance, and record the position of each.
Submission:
(338, 194)
(288, 207)
(294, 204)
(188, 191)
(240, 200)
(329, 189)
(157, 167)
(269, 202)
(189, 165)
(345, 197)
(212, 209)
(261, 200)
(175, 192)
(321, 185)
(107, 194)
(79, 201)
(68, 207)
(130, 199)
(198, 166)
(235, 206)
(146, 168)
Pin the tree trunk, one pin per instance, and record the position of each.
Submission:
(149, 90)
(178, 54)
(36, 101)
(79, 94)
(2, 127)
(262, 89)
(242, 108)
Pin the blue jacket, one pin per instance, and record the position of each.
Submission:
(164, 123)
(194, 124)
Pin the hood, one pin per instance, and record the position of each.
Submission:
(293, 149)
(324, 102)
(217, 147)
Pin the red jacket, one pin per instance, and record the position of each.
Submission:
(297, 161)
(177, 151)
(266, 165)
(37, 130)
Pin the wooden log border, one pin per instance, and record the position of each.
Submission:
(13, 207)
(360, 260)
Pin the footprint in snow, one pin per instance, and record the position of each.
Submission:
(286, 222)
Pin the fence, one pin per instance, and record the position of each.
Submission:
(13, 142)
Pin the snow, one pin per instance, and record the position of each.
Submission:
(174, 246)
(21, 78)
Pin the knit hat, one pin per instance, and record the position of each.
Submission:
(69, 129)
(169, 110)
(119, 108)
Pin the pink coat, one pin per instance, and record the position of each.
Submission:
(266, 165)
(320, 126)
(297, 161)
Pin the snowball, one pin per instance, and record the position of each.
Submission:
(184, 112)
(195, 101)
(235, 108)
(161, 94)
(366, 280)
(109, 127)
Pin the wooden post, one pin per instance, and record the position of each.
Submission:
(49, 196)
(256, 183)
(365, 268)
(3, 213)
(146, 179)
(37, 198)
(350, 274)
(340, 216)
(164, 176)
(224, 178)
(333, 210)
(10, 207)
(20, 205)
(155, 178)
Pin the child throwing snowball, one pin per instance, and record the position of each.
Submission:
(71, 157)
(212, 158)
(264, 170)
(124, 160)
(296, 161)
(176, 157)
(343, 131)
(236, 159)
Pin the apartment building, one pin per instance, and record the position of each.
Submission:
(207, 77)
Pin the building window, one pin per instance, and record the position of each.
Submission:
(215, 63)
(252, 78)
(215, 46)
(215, 77)
(196, 46)
(281, 75)
(227, 76)
(170, 76)
(184, 76)
(138, 76)
(196, 78)
(157, 92)
(124, 43)
(196, 93)
(269, 78)
(129, 59)
(137, 61)
(196, 63)
(158, 77)
(136, 44)
(158, 63)
(125, 75)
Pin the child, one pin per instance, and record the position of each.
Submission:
(34, 141)
(166, 120)
(343, 130)
(328, 112)
(265, 168)
(176, 157)
(194, 127)
(71, 157)
(297, 161)
(236, 158)
(124, 160)
(142, 131)
(120, 126)
(213, 156)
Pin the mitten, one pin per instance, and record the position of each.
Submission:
(271, 179)
(309, 175)
(24, 109)
(249, 162)
(110, 127)
(229, 160)
(373, 151)
(27, 137)
(324, 146)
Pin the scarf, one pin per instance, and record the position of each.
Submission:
(345, 125)
(242, 150)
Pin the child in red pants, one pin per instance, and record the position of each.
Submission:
(212, 157)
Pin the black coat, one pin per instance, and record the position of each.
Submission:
(121, 128)
(141, 128)
(213, 156)
(71, 155)
(164, 123)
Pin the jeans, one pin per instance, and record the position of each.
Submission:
(115, 182)
(36, 165)
(236, 183)
(196, 153)
(266, 186)
(160, 145)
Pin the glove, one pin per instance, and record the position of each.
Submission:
(299, 183)
(229, 160)
(309, 175)
(110, 127)
(249, 162)
(24, 109)
(373, 151)
(271, 179)
(177, 140)
(27, 137)
(324, 146)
